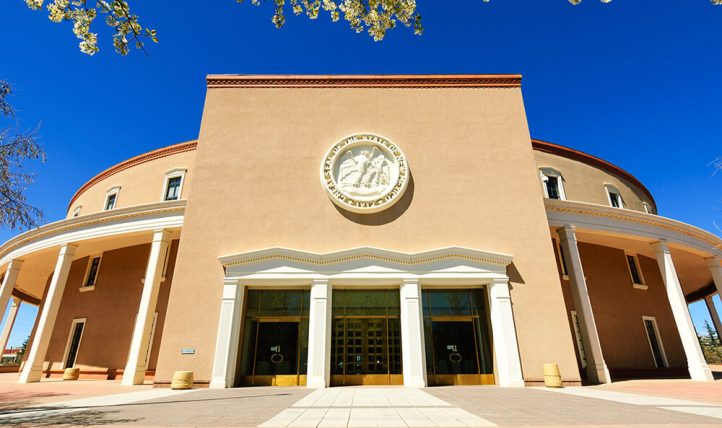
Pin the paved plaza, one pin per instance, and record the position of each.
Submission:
(643, 404)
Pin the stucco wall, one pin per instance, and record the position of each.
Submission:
(140, 184)
(585, 183)
(618, 309)
(256, 185)
(110, 310)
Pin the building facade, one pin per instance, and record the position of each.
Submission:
(355, 230)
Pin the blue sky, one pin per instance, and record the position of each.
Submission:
(636, 82)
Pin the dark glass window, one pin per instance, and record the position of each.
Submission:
(563, 261)
(634, 270)
(654, 343)
(93, 271)
(110, 202)
(615, 200)
(553, 187)
(172, 193)
(74, 344)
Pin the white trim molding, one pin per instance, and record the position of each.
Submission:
(614, 221)
(75, 322)
(658, 338)
(368, 267)
(544, 173)
(173, 173)
(115, 190)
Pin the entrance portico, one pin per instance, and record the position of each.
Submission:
(366, 345)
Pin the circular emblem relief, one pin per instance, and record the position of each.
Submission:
(365, 173)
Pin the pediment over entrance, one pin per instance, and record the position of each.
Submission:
(365, 262)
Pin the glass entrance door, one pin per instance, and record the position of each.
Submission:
(274, 344)
(366, 338)
(458, 343)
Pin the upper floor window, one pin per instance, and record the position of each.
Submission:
(173, 184)
(111, 198)
(553, 183)
(647, 208)
(76, 211)
(614, 196)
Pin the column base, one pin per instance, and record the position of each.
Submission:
(31, 376)
(599, 373)
(137, 378)
(512, 383)
(315, 383)
(410, 382)
(218, 384)
(700, 373)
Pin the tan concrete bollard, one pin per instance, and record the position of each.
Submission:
(71, 374)
(182, 380)
(552, 377)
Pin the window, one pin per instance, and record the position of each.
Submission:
(91, 274)
(173, 184)
(111, 199)
(553, 183)
(172, 192)
(76, 212)
(614, 196)
(635, 272)
(562, 261)
(655, 342)
(578, 337)
(647, 208)
(71, 349)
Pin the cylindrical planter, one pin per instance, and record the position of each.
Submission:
(71, 374)
(182, 380)
(552, 377)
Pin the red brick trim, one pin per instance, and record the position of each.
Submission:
(134, 161)
(556, 149)
(364, 81)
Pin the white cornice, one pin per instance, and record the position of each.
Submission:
(368, 253)
(105, 223)
(636, 223)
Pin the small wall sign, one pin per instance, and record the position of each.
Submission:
(188, 351)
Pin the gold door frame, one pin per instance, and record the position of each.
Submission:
(435, 379)
(270, 380)
(367, 379)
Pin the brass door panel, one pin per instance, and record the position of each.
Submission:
(461, 379)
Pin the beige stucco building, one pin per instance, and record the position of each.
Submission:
(345, 230)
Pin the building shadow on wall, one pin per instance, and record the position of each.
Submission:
(514, 275)
(385, 216)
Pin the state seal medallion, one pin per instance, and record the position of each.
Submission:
(365, 173)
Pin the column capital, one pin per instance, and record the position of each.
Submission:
(713, 262)
(315, 281)
(161, 235)
(660, 247)
(410, 281)
(230, 281)
(15, 264)
(568, 232)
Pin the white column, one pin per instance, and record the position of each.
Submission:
(134, 373)
(506, 348)
(413, 351)
(597, 370)
(6, 290)
(33, 368)
(229, 332)
(714, 315)
(319, 335)
(9, 322)
(716, 270)
(698, 369)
